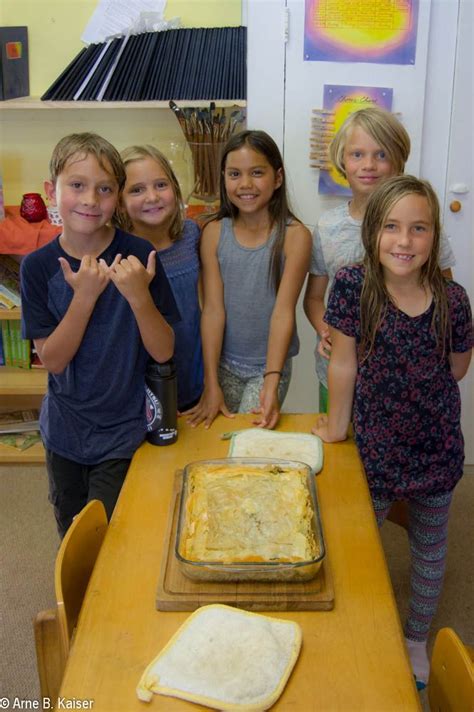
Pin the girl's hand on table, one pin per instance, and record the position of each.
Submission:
(269, 407)
(210, 405)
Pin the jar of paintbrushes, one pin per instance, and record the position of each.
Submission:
(206, 131)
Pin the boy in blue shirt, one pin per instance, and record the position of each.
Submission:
(97, 304)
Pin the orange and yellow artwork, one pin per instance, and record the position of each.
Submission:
(341, 101)
(380, 31)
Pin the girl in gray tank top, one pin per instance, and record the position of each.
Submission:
(255, 256)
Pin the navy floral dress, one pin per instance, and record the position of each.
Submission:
(407, 403)
(181, 264)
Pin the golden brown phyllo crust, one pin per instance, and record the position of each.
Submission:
(248, 514)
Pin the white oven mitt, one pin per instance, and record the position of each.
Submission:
(225, 658)
(257, 442)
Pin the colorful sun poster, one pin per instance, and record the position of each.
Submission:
(380, 31)
(341, 101)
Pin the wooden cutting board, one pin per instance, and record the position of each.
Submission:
(176, 592)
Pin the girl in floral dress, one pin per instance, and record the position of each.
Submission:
(401, 339)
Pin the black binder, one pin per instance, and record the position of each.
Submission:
(186, 64)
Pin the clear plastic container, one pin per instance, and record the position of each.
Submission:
(235, 570)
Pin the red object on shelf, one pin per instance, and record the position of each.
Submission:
(19, 237)
(33, 208)
(201, 213)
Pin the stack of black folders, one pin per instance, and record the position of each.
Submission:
(202, 63)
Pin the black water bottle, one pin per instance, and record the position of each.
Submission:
(161, 403)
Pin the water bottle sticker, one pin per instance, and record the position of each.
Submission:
(154, 410)
(168, 434)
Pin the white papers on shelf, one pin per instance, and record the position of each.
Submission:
(113, 18)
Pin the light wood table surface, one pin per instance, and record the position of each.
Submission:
(353, 657)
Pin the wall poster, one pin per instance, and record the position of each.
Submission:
(378, 31)
(341, 101)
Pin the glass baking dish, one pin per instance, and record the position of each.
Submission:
(235, 570)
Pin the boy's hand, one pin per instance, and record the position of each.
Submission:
(131, 278)
(91, 278)
(325, 345)
(210, 405)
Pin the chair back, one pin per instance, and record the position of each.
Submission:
(74, 564)
(451, 682)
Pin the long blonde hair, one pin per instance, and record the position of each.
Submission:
(138, 153)
(375, 296)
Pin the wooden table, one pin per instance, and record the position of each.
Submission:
(353, 657)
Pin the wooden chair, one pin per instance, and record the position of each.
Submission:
(75, 561)
(451, 682)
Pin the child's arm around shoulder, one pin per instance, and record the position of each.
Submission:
(212, 329)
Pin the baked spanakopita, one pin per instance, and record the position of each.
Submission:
(248, 513)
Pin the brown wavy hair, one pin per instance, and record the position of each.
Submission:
(375, 296)
(138, 153)
(278, 207)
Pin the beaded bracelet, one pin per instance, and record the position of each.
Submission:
(267, 373)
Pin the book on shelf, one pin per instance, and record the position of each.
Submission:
(19, 421)
(9, 282)
(2, 202)
(35, 361)
(20, 441)
(8, 298)
(154, 66)
(16, 351)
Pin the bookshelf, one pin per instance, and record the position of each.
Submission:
(34, 455)
(21, 389)
(24, 388)
(22, 381)
(10, 314)
(30, 102)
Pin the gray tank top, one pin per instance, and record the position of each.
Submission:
(249, 298)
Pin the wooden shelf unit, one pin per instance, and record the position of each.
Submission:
(31, 102)
(10, 314)
(33, 455)
(21, 389)
(24, 388)
(22, 381)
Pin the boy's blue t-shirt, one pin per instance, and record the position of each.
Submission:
(95, 409)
